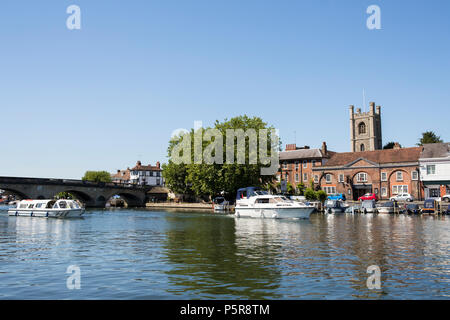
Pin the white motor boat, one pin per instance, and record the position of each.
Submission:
(389, 207)
(254, 203)
(47, 208)
(221, 205)
(335, 206)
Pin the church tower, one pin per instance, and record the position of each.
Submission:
(365, 129)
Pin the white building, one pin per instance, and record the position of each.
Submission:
(146, 175)
(435, 169)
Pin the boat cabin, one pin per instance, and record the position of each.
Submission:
(430, 206)
(246, 193)
(48, 204)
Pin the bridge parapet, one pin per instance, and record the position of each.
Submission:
(93, 194)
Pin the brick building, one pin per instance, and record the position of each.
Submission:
(383, 172)
(297, 163)
(122, 176)
(140, 174)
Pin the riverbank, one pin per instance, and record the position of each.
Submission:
(181, 205)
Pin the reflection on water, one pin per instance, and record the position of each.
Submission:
(139, 254)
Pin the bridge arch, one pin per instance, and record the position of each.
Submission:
(16, 192)
(81, 196)
(130, 199)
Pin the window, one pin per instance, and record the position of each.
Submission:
(415, 175)
(362, 128)
(305, 177)
(296, 165)
(362, 177)
(284, 165)
(328, 178)
(384, 192)
(341, 178)
(313, 163)
(399, 189)
(434, 193)
(296, 177)
(305, 164)
(362, 148)
(329, 190)
(399, 176)
(431, 169)
(158, 182)
(383, 176)
(316, 178)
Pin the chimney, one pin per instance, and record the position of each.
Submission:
(158, 165)
(290, 147)
(324, 149)
(397, 145)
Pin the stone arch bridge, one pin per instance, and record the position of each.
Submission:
(92, 194)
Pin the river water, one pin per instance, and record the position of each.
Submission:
(143, 254)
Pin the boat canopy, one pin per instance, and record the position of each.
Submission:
(429, 204)
(368, 204)
(249, 192)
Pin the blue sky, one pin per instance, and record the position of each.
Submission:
(102, 97)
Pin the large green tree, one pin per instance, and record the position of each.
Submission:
(97, 176)
(210, 179)
(429, 137)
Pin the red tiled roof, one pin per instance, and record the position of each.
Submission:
(377, 156)
(146, 168)
(121, 175)
(140, 167)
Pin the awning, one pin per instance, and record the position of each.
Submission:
(362, 186)
(437, 183)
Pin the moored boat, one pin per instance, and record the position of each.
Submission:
(389, 207)
(254, 203)
(368, 206)
(47, 208)
(221, 204)
(335, 206)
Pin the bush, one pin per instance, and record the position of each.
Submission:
(310, 194)
(321, 196)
